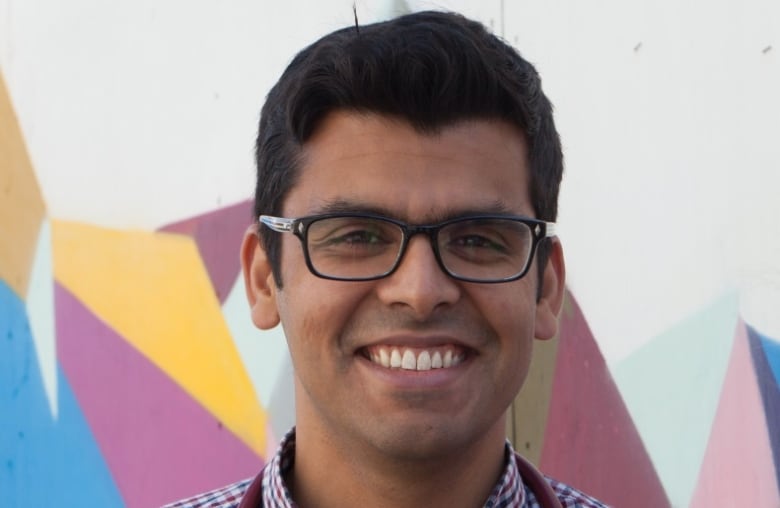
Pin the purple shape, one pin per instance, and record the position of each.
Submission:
(159, 443)
(218, 235)
(770, 394)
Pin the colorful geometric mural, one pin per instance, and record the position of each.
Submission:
(589, 420)
(178, 326)
(672, 387)
(137, 394)
(738, 447)
(766, 361)
(145, 424)
(21, 203)
(35, 443)
(131, 375)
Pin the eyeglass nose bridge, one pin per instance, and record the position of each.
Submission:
(409, 231)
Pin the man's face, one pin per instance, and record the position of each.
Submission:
(338, 331)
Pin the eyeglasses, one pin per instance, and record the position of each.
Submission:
(361, 247)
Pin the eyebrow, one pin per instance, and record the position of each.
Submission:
(349, 206)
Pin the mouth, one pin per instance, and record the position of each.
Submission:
(416, 359)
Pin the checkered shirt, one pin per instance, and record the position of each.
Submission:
(268, 489)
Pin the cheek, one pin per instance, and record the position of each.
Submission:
(510, 310)
(316, 313)
(511, 315)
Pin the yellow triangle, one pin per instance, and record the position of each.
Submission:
(153, 289)
(21, 204)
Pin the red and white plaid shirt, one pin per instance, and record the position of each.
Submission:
(268, 489)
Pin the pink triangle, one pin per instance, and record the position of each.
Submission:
(590, 440)
(738, 469)
(158, 442)
(218, 235)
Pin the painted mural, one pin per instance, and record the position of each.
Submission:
(130, 375)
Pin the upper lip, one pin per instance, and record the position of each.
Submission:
(420, 341)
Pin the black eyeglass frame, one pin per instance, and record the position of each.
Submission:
(540, 230)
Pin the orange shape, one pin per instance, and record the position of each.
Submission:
(21, 204)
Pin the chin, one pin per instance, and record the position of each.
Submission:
(424, 441)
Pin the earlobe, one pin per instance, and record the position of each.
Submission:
(552, 292)
(258, 281)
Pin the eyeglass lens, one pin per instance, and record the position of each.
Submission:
(364, 247)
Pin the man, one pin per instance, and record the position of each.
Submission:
(408, 176)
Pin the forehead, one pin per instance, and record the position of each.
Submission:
(383, 163)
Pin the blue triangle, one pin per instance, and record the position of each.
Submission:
(43, 462)
(770, 391)
(772, 353)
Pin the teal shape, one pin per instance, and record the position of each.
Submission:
(672, 388)
(264, 355)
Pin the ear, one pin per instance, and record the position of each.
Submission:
(259, 281)
(551, 295)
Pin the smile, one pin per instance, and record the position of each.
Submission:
(407, 358)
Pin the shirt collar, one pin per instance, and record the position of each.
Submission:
(508, 491)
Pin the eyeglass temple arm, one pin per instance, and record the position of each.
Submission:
(279, 224)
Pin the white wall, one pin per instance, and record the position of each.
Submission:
(140, 113)
(670, 118)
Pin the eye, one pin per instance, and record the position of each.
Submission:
(476, 241)
(484, 242)
(476, 236)
(352, 235)
(356, 237)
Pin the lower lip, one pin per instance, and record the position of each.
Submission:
(417, 379)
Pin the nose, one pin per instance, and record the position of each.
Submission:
(418, 283)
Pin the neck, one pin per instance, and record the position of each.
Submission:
(330, 473)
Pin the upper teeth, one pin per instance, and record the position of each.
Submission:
(420, 359)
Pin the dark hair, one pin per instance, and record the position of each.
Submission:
(431, 69)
